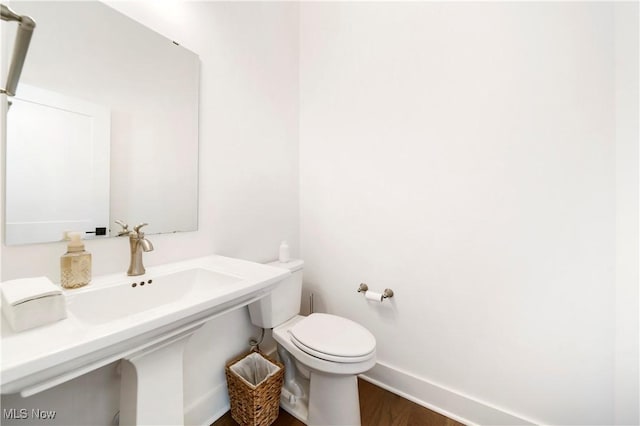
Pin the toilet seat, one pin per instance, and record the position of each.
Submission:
(333, 338)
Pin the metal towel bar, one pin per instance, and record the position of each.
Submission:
(23, 38)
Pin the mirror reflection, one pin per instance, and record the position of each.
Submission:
(104, 126)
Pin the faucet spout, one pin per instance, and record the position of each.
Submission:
(146, 245)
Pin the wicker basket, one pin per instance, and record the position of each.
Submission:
(254, 405)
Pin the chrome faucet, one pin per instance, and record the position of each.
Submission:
(138, 243)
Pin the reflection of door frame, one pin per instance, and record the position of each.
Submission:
(25, 232)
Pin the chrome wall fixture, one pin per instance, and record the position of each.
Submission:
(26, 26)
(386, 294)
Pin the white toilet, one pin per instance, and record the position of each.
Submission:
(322, 354)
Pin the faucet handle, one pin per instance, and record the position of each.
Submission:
(125, 228)
(137, 229)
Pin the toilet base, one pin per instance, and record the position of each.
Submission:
(338, 407)
(327, 399)
(298, 408)
(333, 400)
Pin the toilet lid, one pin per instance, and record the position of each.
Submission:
(333, 338)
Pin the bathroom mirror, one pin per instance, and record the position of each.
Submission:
(104, 126)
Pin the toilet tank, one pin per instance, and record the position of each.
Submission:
(283, 303)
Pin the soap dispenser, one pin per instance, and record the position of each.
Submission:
(75, 264)
(284, 255)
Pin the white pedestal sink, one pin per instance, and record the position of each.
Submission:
(151, 391)
(144, 321)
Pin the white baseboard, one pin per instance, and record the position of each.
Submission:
(215, 403)
(209, 407)
(439, 399)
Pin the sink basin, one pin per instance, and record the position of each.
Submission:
(117, 317)
(137, 296)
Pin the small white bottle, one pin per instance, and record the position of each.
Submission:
(284, 255)
(75, 264)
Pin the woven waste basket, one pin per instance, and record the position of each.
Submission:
(254, 382)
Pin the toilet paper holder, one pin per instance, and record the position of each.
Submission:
(387, 293)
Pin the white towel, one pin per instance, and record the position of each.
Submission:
(32, 302)
(15, 292)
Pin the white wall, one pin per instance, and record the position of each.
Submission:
(626, 387)
(248, 187)
(464, 155)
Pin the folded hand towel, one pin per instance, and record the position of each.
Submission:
(32, 302)
(21, 290)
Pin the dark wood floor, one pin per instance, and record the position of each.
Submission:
(378, 407)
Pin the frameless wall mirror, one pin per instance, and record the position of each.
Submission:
(103, 126)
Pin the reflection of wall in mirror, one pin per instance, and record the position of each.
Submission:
(90, 51)
(59, 158)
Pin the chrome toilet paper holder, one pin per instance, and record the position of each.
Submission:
(387, 293)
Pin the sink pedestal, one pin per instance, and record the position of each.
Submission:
(151, 389)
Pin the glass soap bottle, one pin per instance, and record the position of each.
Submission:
(75, 264)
